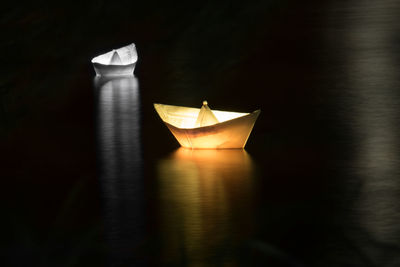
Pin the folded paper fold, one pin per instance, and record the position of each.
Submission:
(206, 117)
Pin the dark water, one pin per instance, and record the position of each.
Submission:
(91, 176)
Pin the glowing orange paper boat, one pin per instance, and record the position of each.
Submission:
(117, 62)
(205, 128)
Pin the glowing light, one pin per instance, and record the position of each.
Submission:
(117, 62)
(205, 128)
(200, 191)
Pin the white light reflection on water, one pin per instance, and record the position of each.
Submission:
(374, 77)
(205, 198)
(120, 166)
(371, 103)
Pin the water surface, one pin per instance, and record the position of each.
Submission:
(92, 177)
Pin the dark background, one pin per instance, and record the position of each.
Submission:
(325, 148)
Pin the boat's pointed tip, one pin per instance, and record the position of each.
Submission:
(256, 113)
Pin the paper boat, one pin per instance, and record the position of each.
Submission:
(117, 62)
(205, 128)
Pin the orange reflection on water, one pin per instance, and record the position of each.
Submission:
(205, 200)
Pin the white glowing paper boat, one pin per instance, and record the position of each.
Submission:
(205, 128)
(117, 62)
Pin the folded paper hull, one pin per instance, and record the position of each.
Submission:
(229, 134)
(114, 70)
(118, 62)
